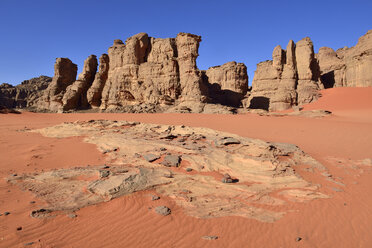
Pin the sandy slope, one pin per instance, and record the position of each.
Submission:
(338, 141)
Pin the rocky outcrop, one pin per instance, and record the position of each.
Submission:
(25, 94)
(76, 93)
(64, 75)
(289, 79)
(347, 67)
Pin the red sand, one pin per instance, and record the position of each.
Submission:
(345, 220)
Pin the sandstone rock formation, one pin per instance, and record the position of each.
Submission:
(146, 74)
(64, 75)
(291, 78)
(23, 95)
(347, 67)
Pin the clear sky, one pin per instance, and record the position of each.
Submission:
(35, 32)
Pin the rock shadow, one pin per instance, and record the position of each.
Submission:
(260, 102)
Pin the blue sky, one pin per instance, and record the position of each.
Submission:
(34, 33)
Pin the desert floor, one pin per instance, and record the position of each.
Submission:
(338, 141)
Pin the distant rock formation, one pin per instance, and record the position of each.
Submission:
(25, 94)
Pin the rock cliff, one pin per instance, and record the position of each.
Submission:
(347, 67)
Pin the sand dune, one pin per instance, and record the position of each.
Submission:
(341, 142)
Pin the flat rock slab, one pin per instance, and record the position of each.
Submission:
(227, 141)
(150, 157)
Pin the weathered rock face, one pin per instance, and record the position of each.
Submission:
(75, 96)
(347, 67)
(94, 93)
(291, 78)
(144, 70)
(25, 94)
(64, 75)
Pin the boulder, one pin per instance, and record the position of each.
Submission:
(163, 210)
